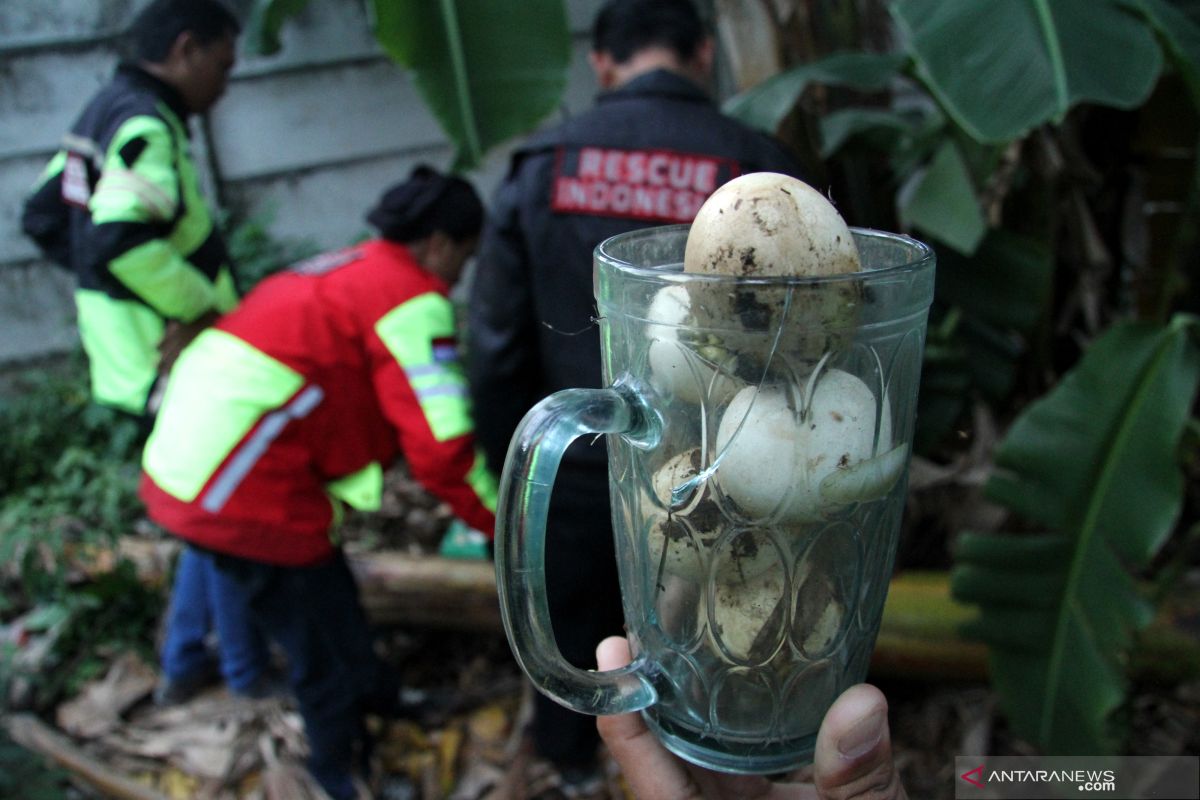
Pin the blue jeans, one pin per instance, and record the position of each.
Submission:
(204, 598)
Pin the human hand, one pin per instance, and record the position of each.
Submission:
(853, 757)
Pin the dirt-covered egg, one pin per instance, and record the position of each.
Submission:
(765, 223)
(687, 538)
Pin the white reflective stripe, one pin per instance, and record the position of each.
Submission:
(424, 370)
(159, 202)
(247, 456)
(442, 390)
(83, 146)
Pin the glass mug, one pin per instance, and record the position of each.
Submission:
(759, 432)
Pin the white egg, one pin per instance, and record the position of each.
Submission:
(774, 456)
(687, 360)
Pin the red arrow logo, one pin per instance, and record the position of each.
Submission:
(978, 771)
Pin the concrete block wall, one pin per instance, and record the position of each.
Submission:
(306, 138)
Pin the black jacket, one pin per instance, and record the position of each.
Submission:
(647, 153)
(135, 129)
(120, 206)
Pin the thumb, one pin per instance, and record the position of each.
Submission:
(853, 757)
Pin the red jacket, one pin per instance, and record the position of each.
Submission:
(318, 380)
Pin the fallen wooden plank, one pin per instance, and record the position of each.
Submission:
(35, 735)
(397, 588)
(918, 639)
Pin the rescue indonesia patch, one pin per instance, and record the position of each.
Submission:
(649, 185)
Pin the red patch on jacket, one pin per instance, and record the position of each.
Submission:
(650, 185)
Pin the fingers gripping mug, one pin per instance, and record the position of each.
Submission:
(758, 434)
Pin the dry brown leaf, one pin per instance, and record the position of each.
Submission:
(450, 744)
(282, 779)
(98, 709)
(478, 781)
(177, 784)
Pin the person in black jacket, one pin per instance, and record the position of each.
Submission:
(649, 152)
(120, 206)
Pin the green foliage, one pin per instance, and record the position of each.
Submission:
(980, 136)
(89, 624)
(487, 71)
(257, 253)
(69, 474)
(941, 201)
(24, 775)
(992, 74)
(1001, 294)
(1094, 466)
(1002, 69)
(113, 614)
(968, 86)
(87, 500)
(45, 413)
(764, 106)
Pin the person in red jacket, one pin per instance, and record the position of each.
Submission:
(289, 408)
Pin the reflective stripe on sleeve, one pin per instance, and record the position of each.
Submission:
(246, 456)
(84, 146)
(146, 191)
(156, 205)
(409, 331)
(218, 391)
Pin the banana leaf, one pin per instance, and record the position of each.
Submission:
(890, 128)
(1178, 26)
(1094, 467)
(1004, 292)
(764, 106)
(940, 200)
(488, 71)
(1001, 69)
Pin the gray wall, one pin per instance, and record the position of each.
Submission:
(309, 136)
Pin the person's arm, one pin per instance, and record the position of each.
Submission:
(133, 208)
(420, 384)
(502, 345)
(44, 217)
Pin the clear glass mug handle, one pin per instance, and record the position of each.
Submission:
(525, 485)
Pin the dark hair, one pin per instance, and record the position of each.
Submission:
(625, 27)
(159, 24)
(427, 202)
